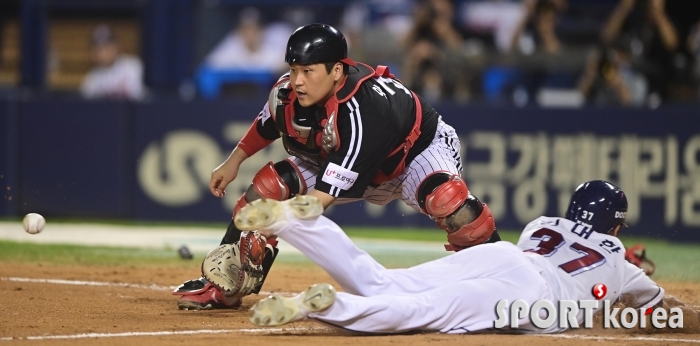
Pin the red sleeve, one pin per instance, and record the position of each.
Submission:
(253, 142)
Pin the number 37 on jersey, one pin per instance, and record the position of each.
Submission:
(582, 258)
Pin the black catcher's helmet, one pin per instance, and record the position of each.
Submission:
(317, 43)
(599, 204)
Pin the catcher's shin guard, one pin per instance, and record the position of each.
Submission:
(445, 197)
(470, 225)
(279, 181)
(233, 234)
(441, 194)
(259, 251)
(270, 255)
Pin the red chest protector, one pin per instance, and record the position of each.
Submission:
(313, 144)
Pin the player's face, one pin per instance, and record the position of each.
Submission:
(106, 54)
(312, 83)
(616, 231)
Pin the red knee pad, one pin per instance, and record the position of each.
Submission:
(474, 233)
(268, 184)
(447, 197)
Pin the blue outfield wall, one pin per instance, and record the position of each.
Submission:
(7, 166)
(75, 158)
(152, 161)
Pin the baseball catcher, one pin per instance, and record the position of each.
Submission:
(354, 133)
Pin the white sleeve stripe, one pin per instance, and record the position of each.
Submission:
(353, 136)
(335, 191)
(355, 140)
(359, 134)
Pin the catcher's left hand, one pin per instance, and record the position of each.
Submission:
(637, 255)
(231, 271)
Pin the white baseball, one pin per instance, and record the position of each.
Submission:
(33, 223)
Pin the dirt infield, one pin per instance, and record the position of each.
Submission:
(57, 304)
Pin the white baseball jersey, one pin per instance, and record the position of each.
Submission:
(121, 80)
(458, 293)
(233, 53)
(574, 259)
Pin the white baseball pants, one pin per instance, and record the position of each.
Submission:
(454, 294)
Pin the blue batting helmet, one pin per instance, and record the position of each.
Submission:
(598, 204)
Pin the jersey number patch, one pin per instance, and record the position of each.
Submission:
(551, 241)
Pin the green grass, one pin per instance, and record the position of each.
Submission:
(87, 255)
(132, 223)
(674, 261)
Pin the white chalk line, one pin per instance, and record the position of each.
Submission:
(613, 338)
(88, 283)
(259, 330)
(110, 284)
(300, 329)
(166, 333)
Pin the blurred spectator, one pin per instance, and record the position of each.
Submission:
(500, 18)
(115, 75)
(247, 47)
(375, 29)
(541, 62)
(435, 65)
(277, 33)
(610, 79)
(537, 28)
(693, 43)
(656, 30)
(251, 54)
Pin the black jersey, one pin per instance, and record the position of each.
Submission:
(371, 124)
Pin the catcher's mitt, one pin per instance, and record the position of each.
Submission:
(637, 255)
(236, 269)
